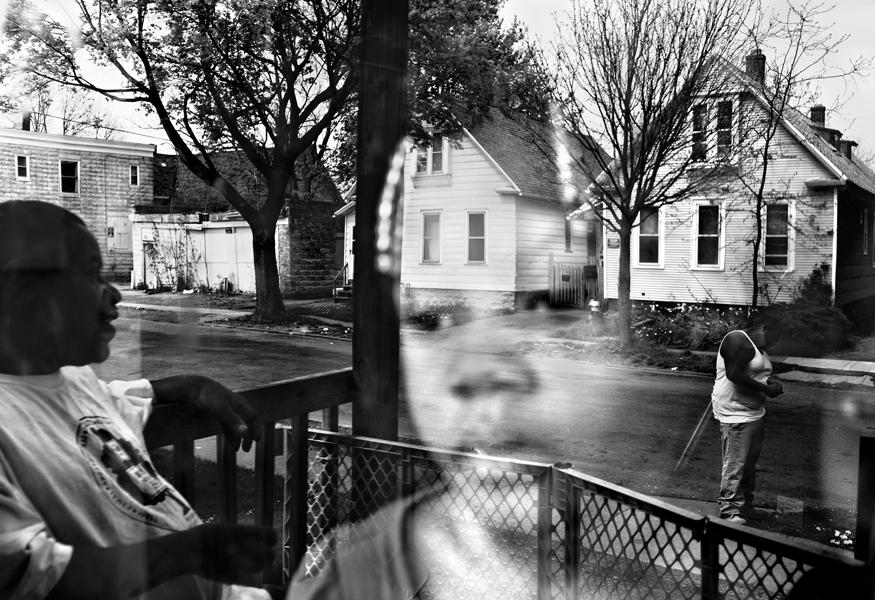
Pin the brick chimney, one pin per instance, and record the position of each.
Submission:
(25, 120)
(755, 66)
(817, 114)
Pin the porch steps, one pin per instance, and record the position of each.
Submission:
(344, 293)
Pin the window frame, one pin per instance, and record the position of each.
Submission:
(699, 135)
(424, 155)
(468, 237)
(78, 178)
(569, 234)
(696, 236)
(723, 129)
(791, 239)
(134, 176)
(636, 241)
(26, 176)
(424, 215)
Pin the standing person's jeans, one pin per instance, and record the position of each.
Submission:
(741, 445)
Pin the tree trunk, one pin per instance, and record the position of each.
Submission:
(268, 299)
(624, 285)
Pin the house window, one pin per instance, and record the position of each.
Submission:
(437, 154)
(431, 237)
(648, 237)
(724, 128)
(708, 236)
(69, 177)
(135, 175)
(431, 157)
(22, 167)
(476, 237)
(700, 151)
(568, 235)
(777, 252)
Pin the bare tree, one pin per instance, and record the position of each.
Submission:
(800, 41)
(627, 73)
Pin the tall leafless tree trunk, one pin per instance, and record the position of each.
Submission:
(626, 75)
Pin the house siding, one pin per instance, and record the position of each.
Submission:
(540, 232)
(105, 197)
(470, 185)
(172, 247)
(676, 280)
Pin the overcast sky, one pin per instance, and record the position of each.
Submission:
(856, 118)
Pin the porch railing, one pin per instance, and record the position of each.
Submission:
(566, 534)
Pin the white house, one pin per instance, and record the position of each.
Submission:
(484, 218)
(819, 213)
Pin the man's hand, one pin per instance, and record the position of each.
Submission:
(232, 553)
(774, 388)
(230, 409)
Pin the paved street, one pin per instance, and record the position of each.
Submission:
(627, 426)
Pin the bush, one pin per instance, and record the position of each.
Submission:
(689, 326)
(810, 329)
(440, 315)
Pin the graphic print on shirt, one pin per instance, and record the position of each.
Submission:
(128, 478)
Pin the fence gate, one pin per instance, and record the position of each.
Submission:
(572, 284)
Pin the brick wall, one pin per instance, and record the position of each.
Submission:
(105, 195)
(311, 248)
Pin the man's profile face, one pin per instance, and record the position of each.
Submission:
(75, 305)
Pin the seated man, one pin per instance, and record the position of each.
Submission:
(83, 513)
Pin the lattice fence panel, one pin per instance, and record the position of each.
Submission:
(626, 553)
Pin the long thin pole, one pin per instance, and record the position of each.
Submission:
(694, 438)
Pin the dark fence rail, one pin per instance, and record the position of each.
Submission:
(569, 535)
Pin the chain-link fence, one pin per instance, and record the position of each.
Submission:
(492, 528)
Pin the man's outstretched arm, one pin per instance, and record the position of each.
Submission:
(229, 408)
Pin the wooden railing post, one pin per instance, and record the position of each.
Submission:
(865, 544)
(183, 468)
(226, 459)
(295, 505)
(264, 474)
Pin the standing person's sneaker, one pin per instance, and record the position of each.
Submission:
(737, 519)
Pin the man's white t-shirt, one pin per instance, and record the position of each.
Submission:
(74, 470)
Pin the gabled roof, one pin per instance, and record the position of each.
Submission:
(846, 170)
(520, 147)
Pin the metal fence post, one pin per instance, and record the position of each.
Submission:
(865, 544)
(572, 539)
(545, 531)
(710, 564)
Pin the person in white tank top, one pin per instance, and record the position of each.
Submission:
(738, 399)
